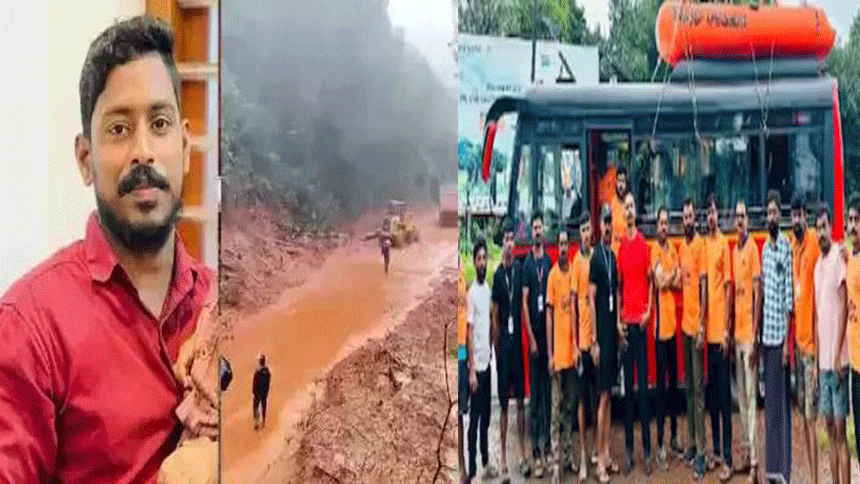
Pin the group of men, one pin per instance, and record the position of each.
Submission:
(587, 317)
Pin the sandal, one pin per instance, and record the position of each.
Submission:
(525, 470)
(613, 468)
(504, 477)
(725, 473)
(602, 475)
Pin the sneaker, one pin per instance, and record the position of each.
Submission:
(699, 467)
(647, 464)
(538, 470)
(583, 470)
(628, 463)
(525, 470)
(725, 473)
(661, 459)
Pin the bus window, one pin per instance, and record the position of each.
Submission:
(571, 183)
(550, 186)
(732, 169)
(794, 164)
(674, 171)
(524, 193)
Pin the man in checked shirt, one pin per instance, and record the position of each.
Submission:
(777, 292)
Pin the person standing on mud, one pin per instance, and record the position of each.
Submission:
(667, 279)
(562, 360)
(507, 324)
(830, 325)
(260, 387)
(693, 327)
(462, 366)
(852, 283)
(719, 336)
(480, 348)
(606, 325)
(535, 277)
(385, 242)
(747, 274)
(634, 277)
(777, 308)
(584, 341)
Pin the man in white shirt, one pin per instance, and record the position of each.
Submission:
(831, 323)
(479, 341)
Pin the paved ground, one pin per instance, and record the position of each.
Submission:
(677, 472)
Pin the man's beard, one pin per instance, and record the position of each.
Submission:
(481, 273)
(798, 231)
(690, 230)
(773, 228)
(147, 238)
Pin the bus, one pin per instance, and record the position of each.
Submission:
(733, 128)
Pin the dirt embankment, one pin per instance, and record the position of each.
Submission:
(384, 406)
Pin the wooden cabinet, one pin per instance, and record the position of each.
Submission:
(195, 26)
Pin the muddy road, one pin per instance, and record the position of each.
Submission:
(311, 327)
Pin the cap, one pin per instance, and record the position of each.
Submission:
(606, 213)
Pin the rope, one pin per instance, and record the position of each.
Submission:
(665, 74)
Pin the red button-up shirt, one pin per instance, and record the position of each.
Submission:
(87, 394)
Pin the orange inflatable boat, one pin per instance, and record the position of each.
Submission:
(692, 30)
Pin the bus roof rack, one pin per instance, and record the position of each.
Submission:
(735, 70)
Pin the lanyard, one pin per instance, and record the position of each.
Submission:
(510, 287)
(608, 269)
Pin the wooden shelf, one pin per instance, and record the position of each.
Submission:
(197, 71)
(197, 3)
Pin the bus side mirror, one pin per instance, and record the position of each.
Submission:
(488, 151)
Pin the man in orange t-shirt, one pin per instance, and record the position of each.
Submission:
(667, 280)
(804, 253)
(852, 281)
(691, 256)
(562, 358)
(462, 365)
(634, 277)
(747, 270)
(584, 336)
(718, 286)
(619, 209)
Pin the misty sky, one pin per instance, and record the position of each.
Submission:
(429, 25)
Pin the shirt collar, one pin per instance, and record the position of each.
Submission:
(102, 261)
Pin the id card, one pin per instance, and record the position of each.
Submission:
(540, 303)
(610, 302)
(510, 325)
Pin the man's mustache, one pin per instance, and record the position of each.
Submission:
(142, 175)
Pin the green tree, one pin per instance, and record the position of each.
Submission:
(629, 52)
(844, 64)
(483, 17)
(562, 18)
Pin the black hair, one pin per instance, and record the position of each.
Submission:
(798, 203)
(712, 201)
(508, 226)
(620, 170)
(773, 196)
(584, 217)
(854, 202)
(119, 44)
(479, 244)
(688, 201)
(824, 211)
(537, 215)
(661, 210)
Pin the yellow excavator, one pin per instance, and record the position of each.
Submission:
(403, 230)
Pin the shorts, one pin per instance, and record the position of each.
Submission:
(607, 370)
(806, 397)
(509, 373)
(583, 383)
(463, 387)
(833, 401)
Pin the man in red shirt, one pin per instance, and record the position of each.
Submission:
(634, 276)
(93, 356)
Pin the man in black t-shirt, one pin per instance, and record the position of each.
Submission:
(603, 299)
(535, 274)
(260, 388)
(507, 330)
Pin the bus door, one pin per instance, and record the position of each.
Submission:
(608, 147)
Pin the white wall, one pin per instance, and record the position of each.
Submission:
(43, 203)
